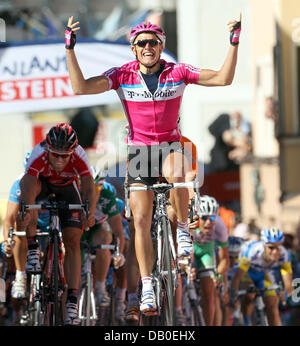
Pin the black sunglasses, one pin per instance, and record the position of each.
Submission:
(143, 43)
(63, 156)
(211, 218)
(272, 247)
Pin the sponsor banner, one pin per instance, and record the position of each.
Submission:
(34, 77)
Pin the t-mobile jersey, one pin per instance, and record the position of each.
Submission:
(152, 118)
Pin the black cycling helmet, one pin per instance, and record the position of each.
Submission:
(62, 137)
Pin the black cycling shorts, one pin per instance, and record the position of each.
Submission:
(145, 162)
(69, 194)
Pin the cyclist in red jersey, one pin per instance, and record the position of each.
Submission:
(151, 90)
(54, 167)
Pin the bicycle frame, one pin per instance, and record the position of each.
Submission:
(164, 241)
(53, 237)
(195, 315)
(260, 318)
(89, 315)
(87, 288)
(54, 269)
(161, 272)
(32, 316)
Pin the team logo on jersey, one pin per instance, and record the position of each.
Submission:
(75, 216)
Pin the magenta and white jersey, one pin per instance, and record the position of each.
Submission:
(38, 165)
(152, 118)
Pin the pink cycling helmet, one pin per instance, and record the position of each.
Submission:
(148, 27)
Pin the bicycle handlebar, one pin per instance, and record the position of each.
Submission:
(23, 234)
(53, 205)
(160, 187)
(252, 289)
(85, 245)
(164, 186)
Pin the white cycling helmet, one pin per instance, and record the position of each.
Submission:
(208, 206)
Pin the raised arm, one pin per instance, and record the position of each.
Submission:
(226, 74)
(80, 85)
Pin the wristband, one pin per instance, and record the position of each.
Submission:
(235, 34)
(70, 38)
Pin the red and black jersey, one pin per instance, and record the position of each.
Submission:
(39, 166)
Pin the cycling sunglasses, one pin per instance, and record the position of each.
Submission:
(272, 247)
(211, 218)
(63, 156)
(143, 43)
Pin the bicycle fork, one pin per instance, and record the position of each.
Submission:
(162, 214)
(60, 263)
(91, 314)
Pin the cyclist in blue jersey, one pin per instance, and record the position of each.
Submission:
(265, 262)
(19, 246)
(234, 247)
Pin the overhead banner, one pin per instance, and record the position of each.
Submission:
(34, 77)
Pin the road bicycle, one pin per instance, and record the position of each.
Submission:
(165, 268)
(32, 314)
(52, 281)
(191, 300)
(106, 314)
(87, 305)
(259, 317)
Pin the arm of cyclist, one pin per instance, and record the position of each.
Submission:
(226, 74)
(223, 261)
(88, 191)
(226, 296)
(287, 277)
(115, 223)
(9, 221)
(80, 85)
(30, 188)
(235, 285)
(194, 224)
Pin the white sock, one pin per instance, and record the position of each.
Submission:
(20, 275)
(182, 227)
(147, 283)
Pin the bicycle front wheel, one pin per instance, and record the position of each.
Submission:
(36, 316)
(55, 304)
(168, 286)
(87, 306)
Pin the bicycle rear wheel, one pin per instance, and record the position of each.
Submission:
(168, 289)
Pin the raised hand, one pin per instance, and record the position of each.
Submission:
(70, 33)
(235, 30)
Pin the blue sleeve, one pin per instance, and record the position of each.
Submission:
(15, 192)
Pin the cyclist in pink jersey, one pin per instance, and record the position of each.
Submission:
(54, 166)
(151, 90)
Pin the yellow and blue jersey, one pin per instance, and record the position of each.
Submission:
(263, 273)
